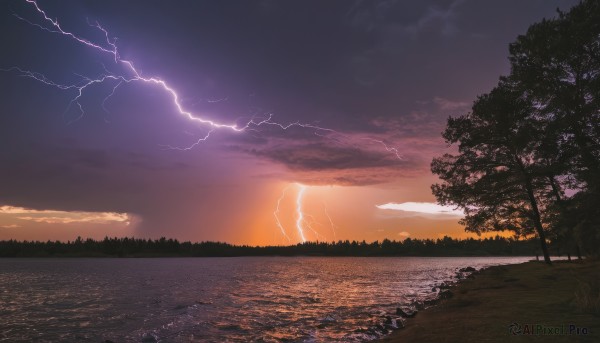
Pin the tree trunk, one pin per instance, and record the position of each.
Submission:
(556, 191)
(540, 231)
(537, 219)
(564, 209)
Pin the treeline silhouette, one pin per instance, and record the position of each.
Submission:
(528, 152)
(163, 247)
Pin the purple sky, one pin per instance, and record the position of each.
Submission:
(371, 81)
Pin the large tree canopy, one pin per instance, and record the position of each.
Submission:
(557, 64)
(529, 152)
(493, 176)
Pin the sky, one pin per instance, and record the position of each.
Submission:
(249, 122)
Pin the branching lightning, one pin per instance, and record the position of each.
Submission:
(276, 215)
(331, 224)
(200, 140)
(310, 222)
(299, 213)
(134, 75)
(129, 74)
(304, 222)
(387, 147)
(111, 48)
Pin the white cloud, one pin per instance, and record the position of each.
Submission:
(64, 217)
(426, 208)
(10, 226)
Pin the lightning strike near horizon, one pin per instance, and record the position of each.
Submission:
(124, 72)
(310, 222)
(332, 225)
(299, 213)
(304, 222)
(134, 75)
(276, 215)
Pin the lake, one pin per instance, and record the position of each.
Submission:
(238, 299)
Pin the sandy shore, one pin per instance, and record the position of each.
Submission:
(540, 303)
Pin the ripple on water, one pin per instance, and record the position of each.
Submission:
(257, 299)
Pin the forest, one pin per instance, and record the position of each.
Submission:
(163, 247)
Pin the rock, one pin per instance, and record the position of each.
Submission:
(430, 302)
(446, 294)
(442, 285)
(400, 323)
(372, 332)
(418, 305)
(147, 338)
(411, 314)
(467, 270)
(328, 319)
(394, 323)
(406, 313)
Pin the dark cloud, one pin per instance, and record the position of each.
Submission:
(317, 157)
(380, 74)
(353, 177)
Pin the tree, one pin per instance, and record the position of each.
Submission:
(529, 153)
(492, 178)
(557, 63)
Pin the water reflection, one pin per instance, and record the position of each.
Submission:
(261, 299)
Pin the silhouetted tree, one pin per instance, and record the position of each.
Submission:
(534, 136)
(557, 63)
(492, 178)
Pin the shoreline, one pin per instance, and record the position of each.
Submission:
(557, 303)
(150, 256)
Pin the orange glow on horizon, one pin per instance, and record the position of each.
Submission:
(332, 213)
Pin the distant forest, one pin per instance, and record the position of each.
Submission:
(163, 247)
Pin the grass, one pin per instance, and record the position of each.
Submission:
(483, 307)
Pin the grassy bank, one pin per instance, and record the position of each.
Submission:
(483, 307)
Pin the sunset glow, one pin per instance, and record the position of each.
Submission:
(278, 136)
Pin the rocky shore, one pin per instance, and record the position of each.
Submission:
(517, 303)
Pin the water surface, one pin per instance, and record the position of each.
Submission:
(239, 299)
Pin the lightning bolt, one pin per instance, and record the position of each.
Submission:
(331, 224)
(276, 215)
(310, 223)
(299, 213)
(200, 140)
(387, 147)
(134, 75)
(128, 73)
(304, 222)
